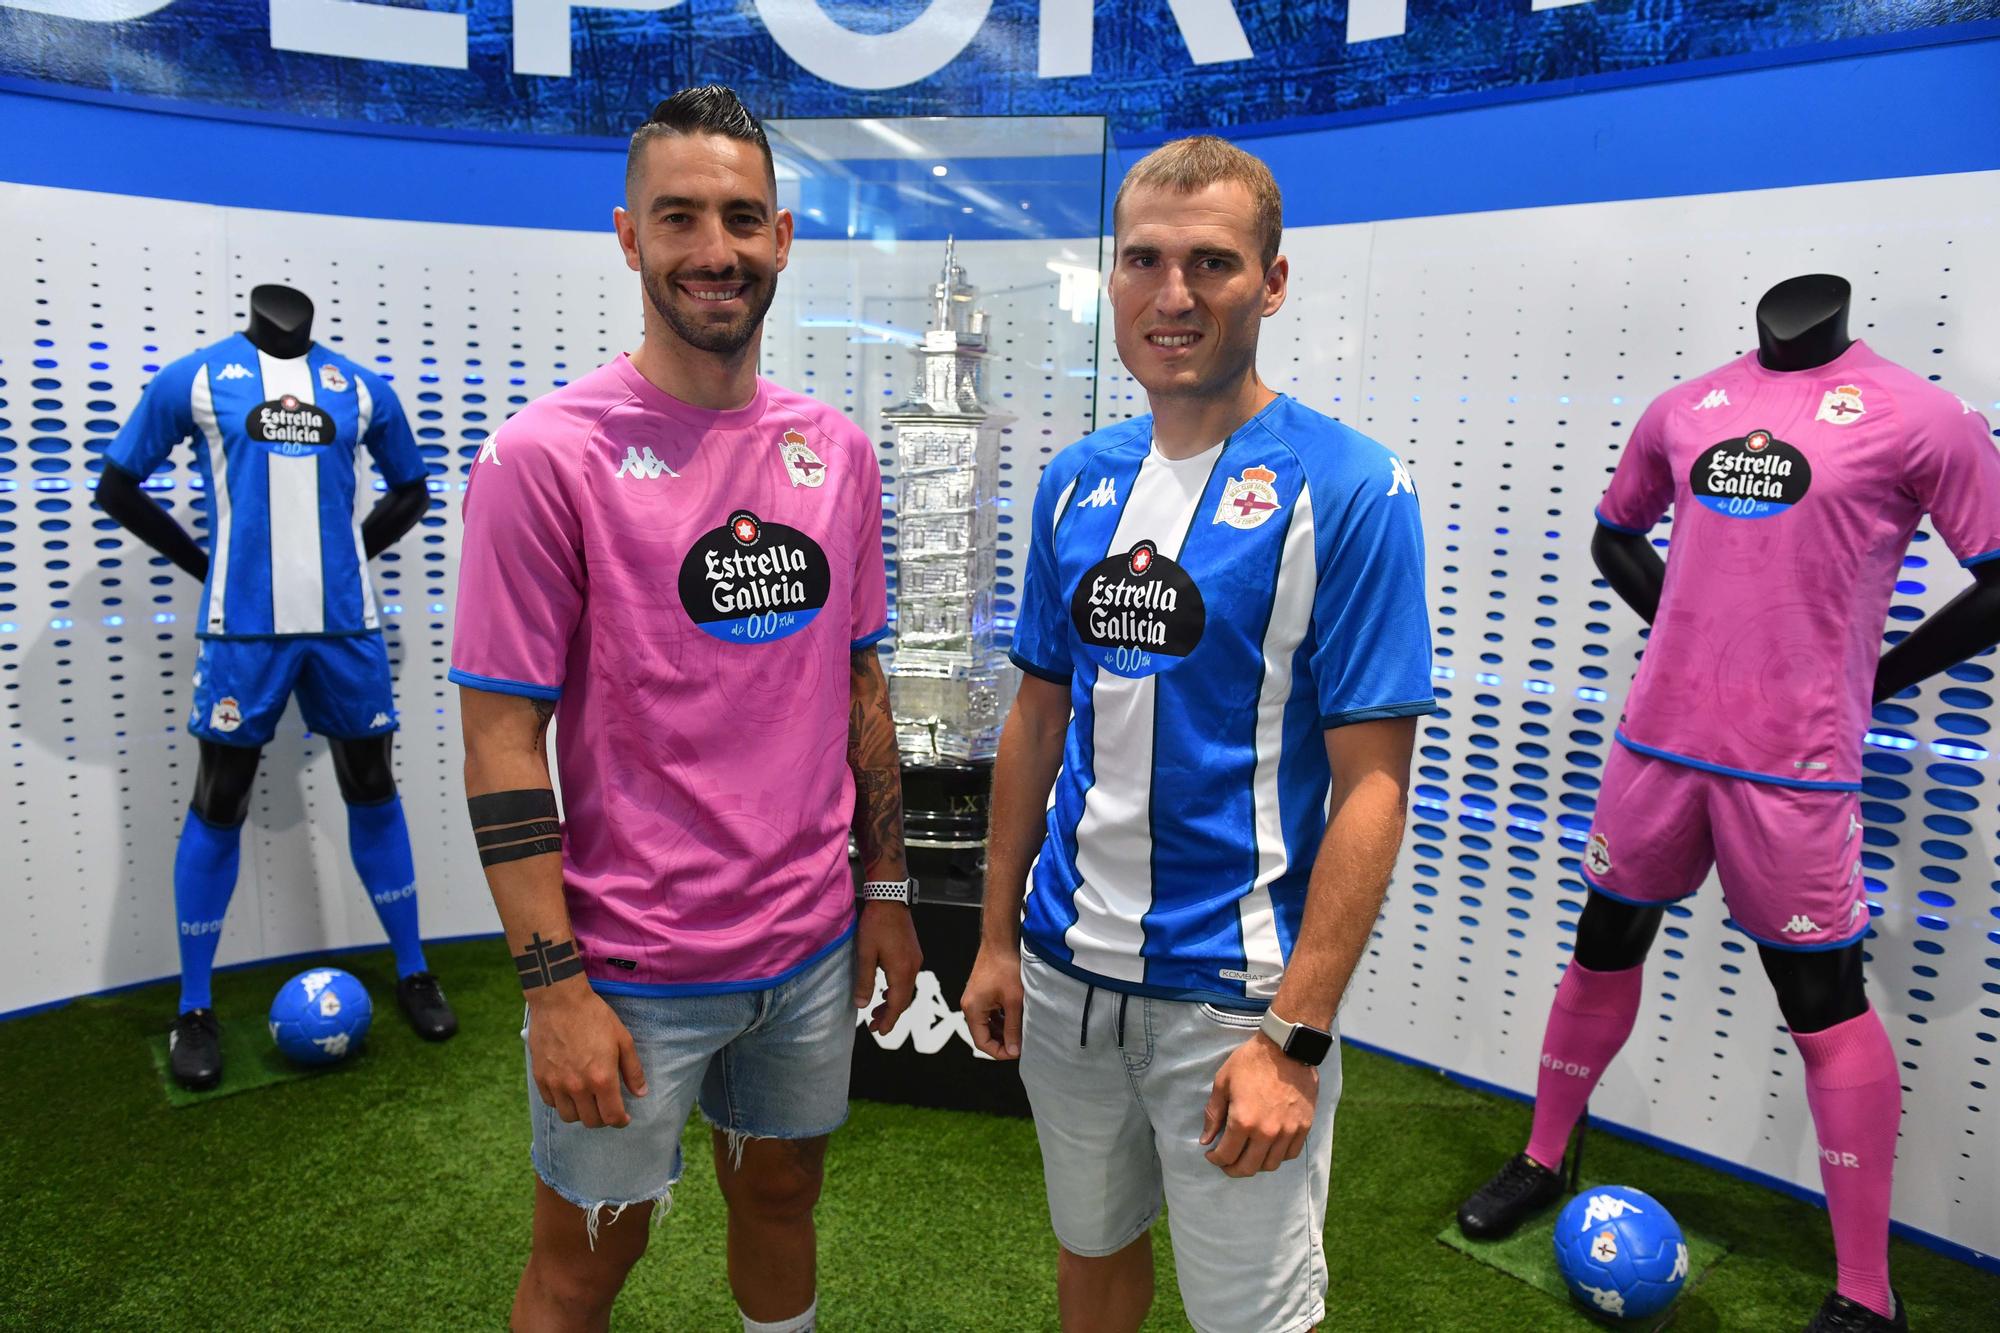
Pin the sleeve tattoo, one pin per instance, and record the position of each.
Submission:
(871, 753)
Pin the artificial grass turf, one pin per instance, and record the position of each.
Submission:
(394, 1193)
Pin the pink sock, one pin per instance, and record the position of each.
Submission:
(1856, 1098)
(1590, 1020)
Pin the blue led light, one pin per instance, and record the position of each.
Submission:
(1487, 678)
(1589, 695)
(1443, 673)
(114, 621)
(163, 617)
(1958, 751)
(1540, 686)
(1890, 742)
(62, 624)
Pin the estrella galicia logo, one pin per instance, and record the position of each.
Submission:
(749, 581)
(1138, 613)
(1752, 477)
(289, 426)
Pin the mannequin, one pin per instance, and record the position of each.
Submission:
(1691, 439)
(253, 666)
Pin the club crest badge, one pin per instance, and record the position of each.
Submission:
(1248, 502)
(1598, 855)
(1841, 405)
(331, 379)
(802, 465)
(227, 715)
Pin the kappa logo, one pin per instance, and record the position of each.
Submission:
(930, 1023)
(1841, 405)
(379, 720)
(1598, 854)
(802, 465)
(1399, 477)
(641, 463)
(315, 982)
(1609, 1301)
(1248, 502)
(1853, 826)
(1680, 1262)
(1800, 924)
(331, 379)
(1715, 398)
(1854, 912)
(232, 371)
(1604, 1208)
(1103, 496)
(490, 451)
(334, 1045)
(227, 715)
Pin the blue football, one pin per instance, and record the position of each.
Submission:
(320, 1016)
(1621, 1252)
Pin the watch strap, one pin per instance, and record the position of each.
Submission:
(890, 891)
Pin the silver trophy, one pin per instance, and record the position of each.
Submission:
(950, 684)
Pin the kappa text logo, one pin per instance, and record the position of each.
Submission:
(1103, 496)
(1715, 398)
(640, 463)
(1604, 1208)
(232, 371)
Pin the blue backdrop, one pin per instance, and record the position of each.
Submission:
(541, 67)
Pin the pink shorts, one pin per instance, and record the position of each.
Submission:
(1789, 857)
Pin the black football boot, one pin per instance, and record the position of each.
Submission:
(1837, 1314)
(194, 1045)
(1516, 1192)
(423, 1003)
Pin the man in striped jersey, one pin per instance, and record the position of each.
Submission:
(285, 608)
(1200, 788)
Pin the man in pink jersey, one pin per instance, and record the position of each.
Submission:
(682, 564)
(1797, 480)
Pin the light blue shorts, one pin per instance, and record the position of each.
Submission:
(764, 1064)
(1118, 1083)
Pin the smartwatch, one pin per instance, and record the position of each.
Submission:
(902, 891)
(1307, 1045)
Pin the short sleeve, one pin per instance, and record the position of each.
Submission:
(1041, 628)
(1643, 485)
(163, 418)
(1954, 471)
(388, 438)
(868, 613)
(1371, 634)
(520, 574)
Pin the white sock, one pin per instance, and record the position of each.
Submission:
(798, 1323)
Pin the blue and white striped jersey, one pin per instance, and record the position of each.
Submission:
(284, 537)
(1213, 616)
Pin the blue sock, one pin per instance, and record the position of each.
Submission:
(380, 843)
(204, 877)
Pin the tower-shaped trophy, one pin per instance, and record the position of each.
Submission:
(950, 683)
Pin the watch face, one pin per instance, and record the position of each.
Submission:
(1309, 1046)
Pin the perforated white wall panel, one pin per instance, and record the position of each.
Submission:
(1506, 356)
(96, 642)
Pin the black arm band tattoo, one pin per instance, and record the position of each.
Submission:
(518, 851)
(512, 807)
(540, 828)
(547, 962)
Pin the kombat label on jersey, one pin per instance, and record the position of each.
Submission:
(749, 581)
(1138, 613)
(1753, 477)
(289, 426)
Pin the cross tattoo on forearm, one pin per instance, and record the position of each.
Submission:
(547, 962)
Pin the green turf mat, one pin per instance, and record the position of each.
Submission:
(1529, 1255)
(250, 1060)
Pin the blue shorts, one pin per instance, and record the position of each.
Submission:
(764, 1064)
(343, 684)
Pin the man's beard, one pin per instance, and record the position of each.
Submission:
(726, 339)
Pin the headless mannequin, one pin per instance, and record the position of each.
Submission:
(1801, 323)
(280, 326)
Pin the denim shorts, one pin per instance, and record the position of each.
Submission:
(1118, 1087)
(762, 1064)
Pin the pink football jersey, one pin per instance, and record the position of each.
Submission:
(688, 586)
(1795, 495)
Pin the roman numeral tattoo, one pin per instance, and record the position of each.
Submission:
(511, 825)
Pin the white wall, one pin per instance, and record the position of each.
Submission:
(1504, 354)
